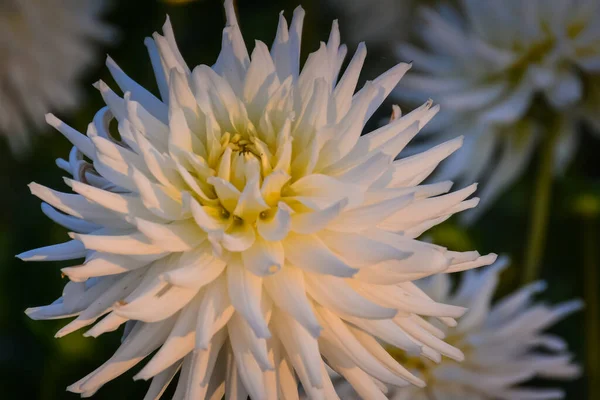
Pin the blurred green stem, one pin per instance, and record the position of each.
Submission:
(590, 279)
(541, 204)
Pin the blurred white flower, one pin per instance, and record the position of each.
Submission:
(243, 228)
(504, 344)
(381, 22)
(179, 1)
(45, 45)
(589, 111)
(487, 63)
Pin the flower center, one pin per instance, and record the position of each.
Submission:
(410, 362)
(535, 54)
(244, 156)
(243, 144)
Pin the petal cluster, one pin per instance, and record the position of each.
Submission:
(46, 45)
(488, 64)
(244, 232)
(505, 343)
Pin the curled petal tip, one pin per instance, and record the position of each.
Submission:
(502, 262)
(90, 334)
(460, 356)
(73, 389)
(493, 257)
(539, 286)
(52, 120)
(110, 62)
(577, 305)
(299, 10)
(140, 377)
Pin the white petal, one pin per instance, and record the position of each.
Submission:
(144, 339)
(125, 204)
(102, 264)
(286, 48)
(271, 187)
(133, 244)
(241, 333)
(250, 203)
(345, 88)
(287, 290)
(215, 311)
(300, 345)
(77, 206)
(239, 237)
(312, 222)
(157, 199)
(228, 194)
(196, 268)
(335, 294)
(79, 140)
(161, 381)
(339, 333)
(264, 257)
(309, 253)
(71, 223)
(277, 223)
(412, 170)
(178, 344)
(174, 237)
(70, 250)
(361, 218)
(157, 307)
(138, 92)
(323, 191)
(99, 300)
(361, 250)
(245, 292)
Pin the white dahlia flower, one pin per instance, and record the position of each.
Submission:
(487, 64)
(45, 45)
(243, 228)
(505, 344)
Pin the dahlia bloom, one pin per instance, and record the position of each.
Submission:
(46, 45)
(242, 227)
(505, 344)
(487, 64)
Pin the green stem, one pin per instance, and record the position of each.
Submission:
(541, 205)
(590, 243)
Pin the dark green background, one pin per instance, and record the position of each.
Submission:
(34, 365)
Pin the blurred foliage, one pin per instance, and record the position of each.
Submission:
(34, 365)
